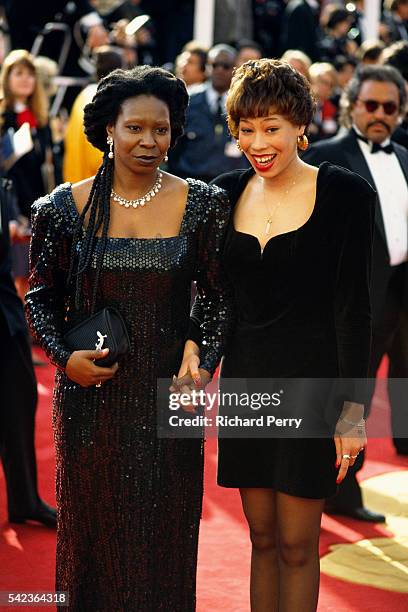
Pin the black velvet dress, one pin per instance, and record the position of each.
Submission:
(129, 504)
(303, 311)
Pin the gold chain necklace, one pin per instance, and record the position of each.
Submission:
(272, 214)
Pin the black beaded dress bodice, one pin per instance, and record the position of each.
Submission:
(129, 503)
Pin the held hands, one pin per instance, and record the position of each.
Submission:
(190, 376)
(350, 437)
(81, 368)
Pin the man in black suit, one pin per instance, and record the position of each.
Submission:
(300, 25)
(18, 391)
(371, 108)
(395, 17)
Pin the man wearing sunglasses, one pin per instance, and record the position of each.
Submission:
(372, 107)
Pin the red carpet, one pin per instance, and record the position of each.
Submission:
(27, 551)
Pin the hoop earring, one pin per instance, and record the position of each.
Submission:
(302, 142)
(109, 140)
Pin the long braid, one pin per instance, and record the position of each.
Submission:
(106, 188)
(77, 237)
(98, 203)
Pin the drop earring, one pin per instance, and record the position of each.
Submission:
(166, 159)
(302, 142)
(109, 140)
(238, 145)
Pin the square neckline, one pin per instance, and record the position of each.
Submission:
(282, 234)
(190, 183)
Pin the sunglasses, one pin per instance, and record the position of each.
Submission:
(372, 105)
(223, 65)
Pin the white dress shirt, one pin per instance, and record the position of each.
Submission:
(212, 98)
(392, 190)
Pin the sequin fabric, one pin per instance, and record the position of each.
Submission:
(129, 503)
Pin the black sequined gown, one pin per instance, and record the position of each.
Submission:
(129, 503)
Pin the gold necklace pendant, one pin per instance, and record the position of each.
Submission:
(268, 226)
(272, 214)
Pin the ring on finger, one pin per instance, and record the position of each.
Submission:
(99, 384)
(348, 457)
(354, 456)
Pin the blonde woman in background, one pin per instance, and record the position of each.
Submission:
(323, 78)
(24, 101)
(298, 60)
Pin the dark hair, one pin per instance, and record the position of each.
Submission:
(370, 50)
(247, 43)
(258, 85)
(337, 16)
(341, 61)
(106, 60)
(104, 109)
(380, 74)
(392, 5)
(397, 56)
(202, 56)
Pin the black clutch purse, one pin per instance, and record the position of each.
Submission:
(104, 329)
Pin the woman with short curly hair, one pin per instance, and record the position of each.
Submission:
(134, 238)
(297, 254)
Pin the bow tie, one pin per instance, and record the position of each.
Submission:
(375, 147)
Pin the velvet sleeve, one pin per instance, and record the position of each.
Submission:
(352, 242)
(45, 299)
(212, 314)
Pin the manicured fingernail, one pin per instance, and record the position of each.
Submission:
(338, 481)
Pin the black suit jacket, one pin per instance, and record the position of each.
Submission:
(344, 150)
(11, 308)
(299, 29)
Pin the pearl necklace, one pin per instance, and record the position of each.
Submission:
(143, 199)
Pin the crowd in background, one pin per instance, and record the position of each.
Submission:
(324, 40)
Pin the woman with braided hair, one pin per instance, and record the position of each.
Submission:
(133, 238)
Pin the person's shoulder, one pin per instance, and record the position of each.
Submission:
(205, 190)
(208, 202)
(296, 7)
(400, 149)
(80, 192)
(230, 180)
(346, 187)
(334, 142)
(340, 175)
(197, 98)
(55, 206)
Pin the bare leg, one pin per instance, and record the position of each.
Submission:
(259, 509)
(298, 521)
